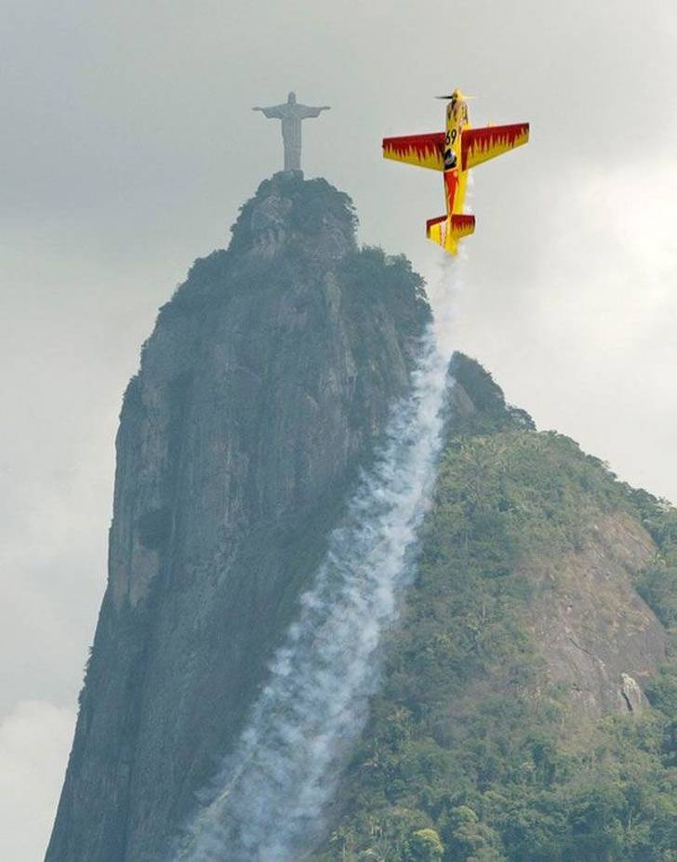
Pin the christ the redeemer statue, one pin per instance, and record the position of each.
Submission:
(292, 114)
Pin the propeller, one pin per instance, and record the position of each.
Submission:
(456, 95)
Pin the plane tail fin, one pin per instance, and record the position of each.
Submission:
(446, 231)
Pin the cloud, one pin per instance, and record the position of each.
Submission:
(576, 327)
(34, 744)
(129, 145)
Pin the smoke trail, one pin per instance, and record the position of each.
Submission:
(270, 794)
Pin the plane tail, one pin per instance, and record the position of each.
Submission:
(446, 231)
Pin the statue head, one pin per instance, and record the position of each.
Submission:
(292, 98)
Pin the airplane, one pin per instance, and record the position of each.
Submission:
(455, 153)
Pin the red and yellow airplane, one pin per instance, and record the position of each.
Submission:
(455, 153)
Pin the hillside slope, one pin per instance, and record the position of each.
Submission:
(514, 721)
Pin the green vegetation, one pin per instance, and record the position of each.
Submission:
(469, 754)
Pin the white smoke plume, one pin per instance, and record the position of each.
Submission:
(267, 802)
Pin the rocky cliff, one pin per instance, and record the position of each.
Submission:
(526, 710)
(262, 389)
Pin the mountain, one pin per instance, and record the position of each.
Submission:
(525, 706)
(528, 710)
(268, 378)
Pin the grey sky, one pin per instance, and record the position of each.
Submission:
(128, 145)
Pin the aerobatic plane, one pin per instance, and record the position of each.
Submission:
(455, 152)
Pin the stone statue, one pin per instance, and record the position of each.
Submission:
(291, 114)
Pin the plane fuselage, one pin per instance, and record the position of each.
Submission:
(455, 179)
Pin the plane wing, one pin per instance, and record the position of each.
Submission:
(480, 145)
(425, 151)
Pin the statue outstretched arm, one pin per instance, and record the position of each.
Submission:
(273, 113)
(307, 112)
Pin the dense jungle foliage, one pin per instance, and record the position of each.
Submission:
(460, 761)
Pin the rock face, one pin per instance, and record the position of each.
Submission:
(594, 628)
(265, 383)
(632, 693)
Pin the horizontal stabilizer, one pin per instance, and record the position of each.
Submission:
(424, 151)
(480, 145)
(447, 231)
(462, 225)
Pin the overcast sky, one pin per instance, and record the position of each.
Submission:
(128, 145)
